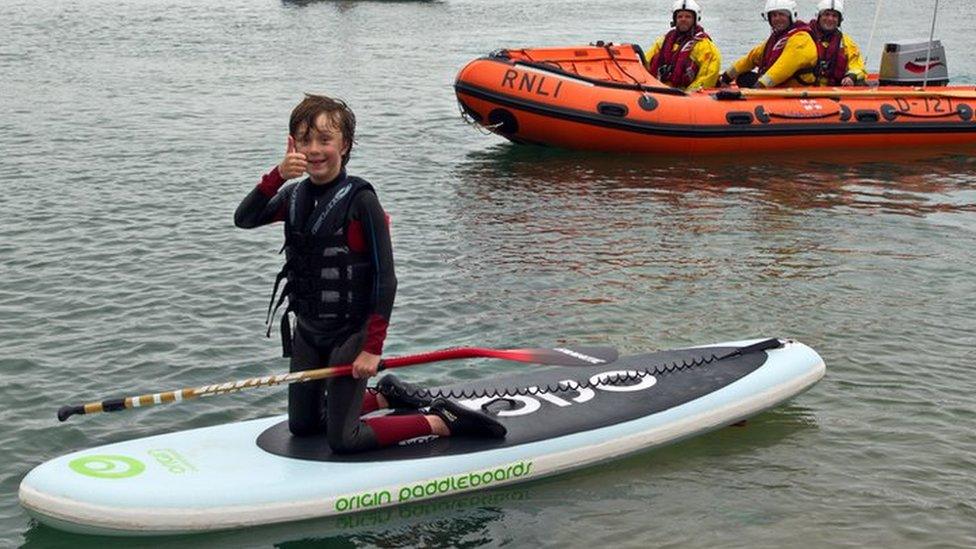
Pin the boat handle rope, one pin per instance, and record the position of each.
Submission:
(613, 58)
(557, 69)
(894, 112)
(627, 377)
(645, 90)
(484, 129)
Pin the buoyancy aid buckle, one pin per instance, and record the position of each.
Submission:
(664, 72)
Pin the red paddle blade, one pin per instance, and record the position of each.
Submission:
(563, 356)
(560, 356)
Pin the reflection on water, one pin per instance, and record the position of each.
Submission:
(644, 249)
(909, 182)
(441, 522)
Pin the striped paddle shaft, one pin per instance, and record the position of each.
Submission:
(562, 356)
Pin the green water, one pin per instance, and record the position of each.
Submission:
(130, 130)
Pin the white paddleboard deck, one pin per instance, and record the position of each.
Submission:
(252, 473)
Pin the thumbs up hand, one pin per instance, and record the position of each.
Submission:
(294, 163)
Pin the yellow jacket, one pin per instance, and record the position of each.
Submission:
(799, 54)
(855, 63)
(705, 54)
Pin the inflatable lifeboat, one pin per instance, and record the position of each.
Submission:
(600, 97)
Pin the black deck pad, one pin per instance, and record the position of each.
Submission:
(552, 419)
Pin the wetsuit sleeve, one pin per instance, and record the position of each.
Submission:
(709, 61)
(652, 51)
(368, 213)
(855, 62)
(799, 53)
(266, 203)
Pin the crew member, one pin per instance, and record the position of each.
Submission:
(685, 57)
(788, 58)
(840, 62)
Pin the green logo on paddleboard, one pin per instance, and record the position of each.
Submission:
(107, 466)
(172, 461)
(435, 487)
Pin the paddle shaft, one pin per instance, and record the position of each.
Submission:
(166, 397)
(558, 356)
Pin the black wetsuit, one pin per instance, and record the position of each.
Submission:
(317, 344)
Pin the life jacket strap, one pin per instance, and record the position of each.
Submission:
(286, 341)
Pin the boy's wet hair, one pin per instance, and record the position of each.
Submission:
(336, 110)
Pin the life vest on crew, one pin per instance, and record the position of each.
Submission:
(329, 286)
(832, 63)
(776, 45)
(674, 65)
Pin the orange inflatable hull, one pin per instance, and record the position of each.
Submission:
(602, 98)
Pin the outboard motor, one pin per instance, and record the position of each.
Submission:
(904, 64)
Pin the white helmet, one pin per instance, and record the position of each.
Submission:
(781, 5)
(686, 5)
(835, 5)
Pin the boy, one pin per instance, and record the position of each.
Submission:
(340, 287)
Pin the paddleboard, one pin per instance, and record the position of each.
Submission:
(558, 419)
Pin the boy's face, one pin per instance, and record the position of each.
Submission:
(323, 148)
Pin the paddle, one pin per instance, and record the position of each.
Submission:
(560, 356)
(814, 93)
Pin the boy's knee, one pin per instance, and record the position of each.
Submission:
(303, 428)
(342, 443)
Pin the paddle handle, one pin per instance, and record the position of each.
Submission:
(166, 397)
(69, 410)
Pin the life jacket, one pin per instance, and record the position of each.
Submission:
(675, 66)
(832, 61)
(329, 286)
(776, 44)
